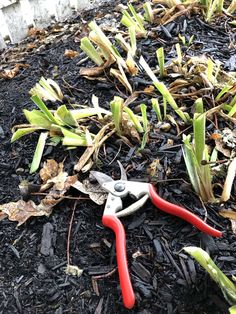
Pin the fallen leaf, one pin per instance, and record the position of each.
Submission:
(30, 46)
(21, 211)
(152, 169)
(49, 170)
(215, 136)
(221, 148)
(71, 53)
(9, 74)
(95, 71)
(228, 214)
(149, 89)
(231, 215)
(94, 191)
(34, 31)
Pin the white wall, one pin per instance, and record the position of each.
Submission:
(17, 15)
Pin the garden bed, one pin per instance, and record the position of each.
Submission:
(33, 257)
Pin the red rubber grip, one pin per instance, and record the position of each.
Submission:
(182, 213)
(114, 223)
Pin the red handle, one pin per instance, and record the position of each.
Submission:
(182, 213)
(114, 223)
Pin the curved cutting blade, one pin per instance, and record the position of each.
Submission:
(123, 175)
(101, 177)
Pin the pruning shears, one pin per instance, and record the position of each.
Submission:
(141, 192)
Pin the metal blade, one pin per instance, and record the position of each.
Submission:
(123, 175)
(101, 177)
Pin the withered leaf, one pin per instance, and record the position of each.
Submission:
(11, 73)
(95, 71)
(228, 214)
(231, 215)
(49, 170)
(152, 169)
(71, 53)
(94, 191)
(21, 211)
(33, 31)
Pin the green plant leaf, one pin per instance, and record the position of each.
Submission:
(65, 116)
(226, 285)
(191, 163)
(37, 118)
(22, 132)
(88, 112)
(116, 108)
(38, 152)
(148, 15)
(156, 108)
(41, 105)
(199, 128)
(72, 139)
(90, 50)
(145, 125)
(161, 60)
(134, 119)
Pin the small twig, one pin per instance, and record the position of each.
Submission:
(69, 234)
(115, 155)
(60, 196)
(105, 275)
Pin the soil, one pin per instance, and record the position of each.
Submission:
(33, 257)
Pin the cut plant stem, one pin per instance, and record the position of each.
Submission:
(179, 53)
(145, 125)
(134, 119)
(164, 91)
(90, 50)
(156, 108)
(148, 15)
(116, 108)
(161, 60)
(38, 152)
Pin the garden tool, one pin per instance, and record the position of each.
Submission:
(141, 192)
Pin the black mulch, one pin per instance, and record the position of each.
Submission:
(33, 257)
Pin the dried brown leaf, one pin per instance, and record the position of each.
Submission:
(33, 31)
(221, 148)
(9, 74)
(21, 211)
(49, 170)
(231, 215)
(228, 214)
(152, 169)
(94, 191)
(31, 46)
(97, 142)
(149, 89)
(96, 71)
(71, 53)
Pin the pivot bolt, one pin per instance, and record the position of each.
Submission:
(119, 187)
